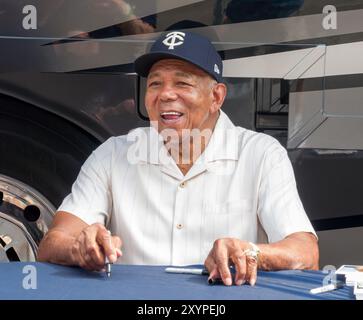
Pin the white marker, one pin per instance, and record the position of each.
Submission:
(187, 271)
(329, 287)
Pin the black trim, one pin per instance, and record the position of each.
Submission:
(328, 83)
(119, 68)
(92, 308)
(138, 94)
(330, 40)
(338, 223)
(263, 49)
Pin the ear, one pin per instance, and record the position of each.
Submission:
(219, 93)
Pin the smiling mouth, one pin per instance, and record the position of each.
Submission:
(171, 116)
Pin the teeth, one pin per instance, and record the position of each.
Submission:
(171, 113)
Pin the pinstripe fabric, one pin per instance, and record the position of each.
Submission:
(241, 186)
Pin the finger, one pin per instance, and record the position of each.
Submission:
(118, 253)
(77, 255)
(117, 243)
(104, 239)
(91, 265)
(214, 276)
(251, 275)
(82, 253)
(85, 260)
(83, 264)
(221, 259)
(209, 263)
(79, 250)
(89, 250)
(93, 252)
(212, 269)
(239, 261)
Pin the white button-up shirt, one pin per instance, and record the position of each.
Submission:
(242, 186)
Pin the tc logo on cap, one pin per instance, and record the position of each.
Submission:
(175, 38)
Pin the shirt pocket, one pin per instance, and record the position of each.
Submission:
(230, 219)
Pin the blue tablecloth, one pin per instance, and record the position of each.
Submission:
(153, 283)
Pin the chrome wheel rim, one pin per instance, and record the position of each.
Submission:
(25, 216)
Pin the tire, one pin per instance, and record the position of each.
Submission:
(41, 149)
(40, 157)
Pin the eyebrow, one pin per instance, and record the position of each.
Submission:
(178, 74)
(183, 74)
(153, 75)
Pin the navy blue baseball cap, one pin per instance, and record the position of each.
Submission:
(186, 46)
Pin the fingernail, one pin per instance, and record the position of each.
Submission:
(113, 258)
(252, 282)
(239, 282)
(228, 281)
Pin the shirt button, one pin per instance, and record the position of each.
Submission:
(179, 226)
(183, 185)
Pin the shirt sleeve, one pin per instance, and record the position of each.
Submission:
(90, 199)
(280, 209)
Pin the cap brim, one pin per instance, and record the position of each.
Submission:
(144, 63)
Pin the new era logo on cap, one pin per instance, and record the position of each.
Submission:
(173, 39)
(187, 46)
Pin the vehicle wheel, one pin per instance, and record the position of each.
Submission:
(40, 157)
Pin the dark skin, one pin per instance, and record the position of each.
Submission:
(71, 241)
(297, 251)
(175, 85)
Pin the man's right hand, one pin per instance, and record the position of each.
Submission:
(92, 245)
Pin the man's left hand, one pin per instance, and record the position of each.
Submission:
(227, 252)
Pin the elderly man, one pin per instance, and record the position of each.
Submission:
(214, 193)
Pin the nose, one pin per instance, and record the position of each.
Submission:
(168, 93)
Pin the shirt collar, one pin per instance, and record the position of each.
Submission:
(223, 144)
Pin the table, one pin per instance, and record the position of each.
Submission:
(55, 282)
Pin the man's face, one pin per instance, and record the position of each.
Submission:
(180, 96)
